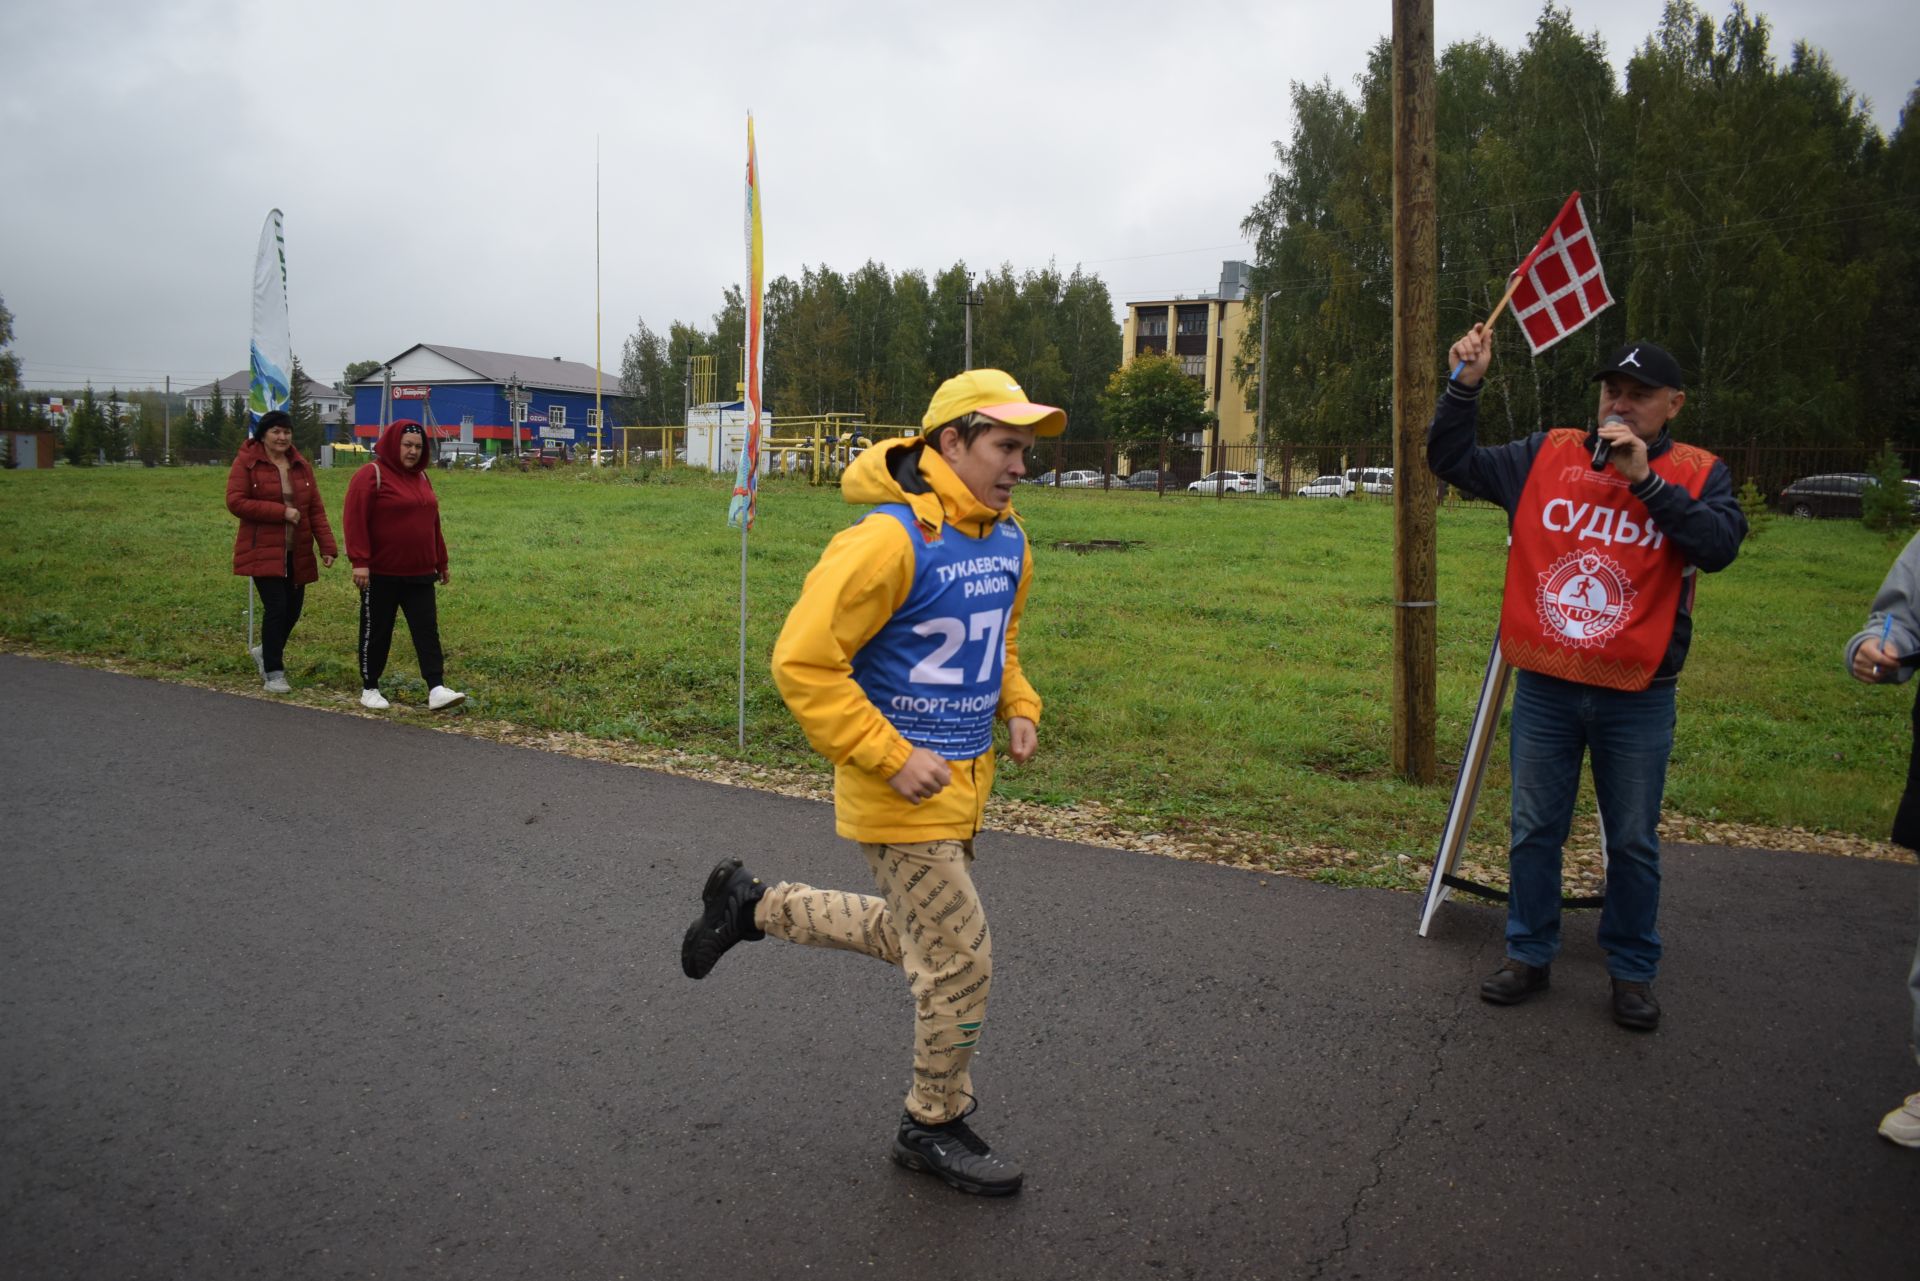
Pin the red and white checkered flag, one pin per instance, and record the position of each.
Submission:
(1560, 286)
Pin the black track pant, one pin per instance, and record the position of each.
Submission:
(280, 603)
(377, 605)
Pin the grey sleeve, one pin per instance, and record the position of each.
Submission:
(1895, 613)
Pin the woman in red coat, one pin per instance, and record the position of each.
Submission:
(271, 489)
(392, 520)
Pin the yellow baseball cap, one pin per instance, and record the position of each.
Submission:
(994, 394)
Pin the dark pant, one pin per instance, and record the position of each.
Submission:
(1630, 736)
(280, 602)
(377, 605)
(1906, 820)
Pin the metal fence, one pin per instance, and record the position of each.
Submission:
(1364, 471)
(1361, 472)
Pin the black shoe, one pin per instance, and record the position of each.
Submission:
(1634, 1006)
(956, 1154)
(727, 919)
(1515, 981)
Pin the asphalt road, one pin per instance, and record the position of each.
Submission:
(291, 994)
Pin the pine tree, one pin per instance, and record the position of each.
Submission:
(1887, 503)
(83, 430)
(308, 431)
(239, 423)
(213, 423)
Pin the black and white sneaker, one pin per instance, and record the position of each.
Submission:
(958, 1155)
(726, 918)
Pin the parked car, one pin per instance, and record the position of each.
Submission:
(1044, 478)
(1326, 487)
(1086, 480)
(1370, 480)
(1224, 482)
(1151, 480)
(1835, 494)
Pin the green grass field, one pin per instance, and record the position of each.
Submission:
(1232, 668)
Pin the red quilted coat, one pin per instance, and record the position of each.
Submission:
(253, 494)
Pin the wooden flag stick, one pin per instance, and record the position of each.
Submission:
(1498, 307)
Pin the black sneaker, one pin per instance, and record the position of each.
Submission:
(1515, 981)
(1634, 1006)
(727, 919)
(956, 1154)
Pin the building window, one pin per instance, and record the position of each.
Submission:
(593, 420)
(556, 415)
(1194, 365)
(1193, 321)
(1153, 326)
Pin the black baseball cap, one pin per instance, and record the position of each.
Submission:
(1643, 362)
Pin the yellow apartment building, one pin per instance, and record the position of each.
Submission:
(1203, 332)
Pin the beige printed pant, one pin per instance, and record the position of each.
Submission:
(929, 922)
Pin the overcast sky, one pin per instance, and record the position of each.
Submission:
(435, 161)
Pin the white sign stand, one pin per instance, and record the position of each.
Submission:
(1466, 795)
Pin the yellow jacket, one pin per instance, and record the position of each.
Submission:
(863, 577)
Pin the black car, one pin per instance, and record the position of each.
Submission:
(1834, 494)
(1152, 480)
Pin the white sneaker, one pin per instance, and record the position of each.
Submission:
(371, 700)
(439, 698)
(259, 663)
(1902, 1125)
(277, 683)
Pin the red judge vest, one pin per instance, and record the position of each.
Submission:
(1592, 586)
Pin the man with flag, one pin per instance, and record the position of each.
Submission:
(896, 660)
(1609, 527)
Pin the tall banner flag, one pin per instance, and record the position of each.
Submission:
(746, 483)
(270, 385)
(270, 380)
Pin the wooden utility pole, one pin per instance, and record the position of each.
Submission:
(1414, 491)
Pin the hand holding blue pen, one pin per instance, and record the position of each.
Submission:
(1886, 656)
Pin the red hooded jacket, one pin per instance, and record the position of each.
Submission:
(392, 515)
(253, 494)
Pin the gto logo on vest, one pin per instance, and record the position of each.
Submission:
(1584, 598)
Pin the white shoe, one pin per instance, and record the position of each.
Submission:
(439, 698)
(259, 663)
(277, 683)
(1902, 1125)
(371, 700)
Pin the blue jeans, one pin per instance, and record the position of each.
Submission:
(1555, 723)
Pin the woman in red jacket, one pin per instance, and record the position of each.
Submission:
(393, 539)
(271, 490)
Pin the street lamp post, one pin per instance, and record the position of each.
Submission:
(1260, 419)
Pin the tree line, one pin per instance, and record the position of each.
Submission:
(139, 424)
(1750, 219)
(877, 343)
